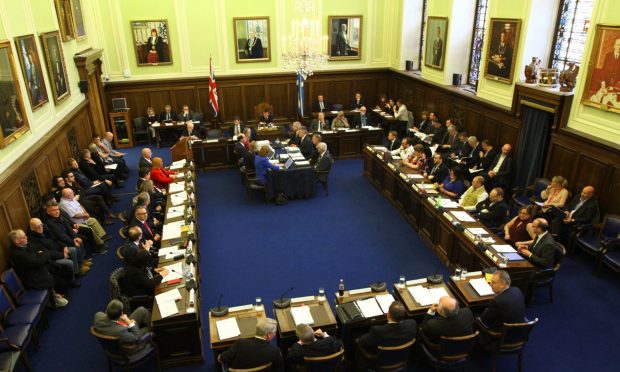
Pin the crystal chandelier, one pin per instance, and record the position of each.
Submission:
(305, 50)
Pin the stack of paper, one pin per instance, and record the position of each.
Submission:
(167, 302)
(447, 203)
(380, 148)
(302, 162)
(481, 286)
(291, 149)
(385, 301)
(111, 166)
(174, 271)
(426, 186)
(503, 248)
(301, 315)
(227, 328)
(415, 176)
(172, 230)
(176, 187)
(462, 216)
(297, 156)
(427, 296)
(168, 250)
(155, 125)
(369, 307)
(477, 231)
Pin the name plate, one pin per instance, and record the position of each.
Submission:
(240, 308)
(474, 273)
(392, 167)
(415, 282)
(302, 299)
(448, 217)
(359, 291)
(369, 148)
(490, 255)
(416, 188)
(403, 176)
(379, 157)
(469, 235)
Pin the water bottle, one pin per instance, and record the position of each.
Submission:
(341, 288)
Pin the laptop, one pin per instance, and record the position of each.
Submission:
(119, 104)
(288, 163)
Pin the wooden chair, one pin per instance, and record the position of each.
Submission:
(390, 358)
(545, 277)
(451, 352)
(127, 356)
(140, 130)
(511, 339)
(523, 196)
(594, 244)
(261, 107)
(264, 367)
(325, 363)
(119, 254)
(252, 186)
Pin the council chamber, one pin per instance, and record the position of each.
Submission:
(309, 185)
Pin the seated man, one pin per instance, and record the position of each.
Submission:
(186, 115)
(438, 171)
(244, 156)
(461, 147)
(487, 156)
(363, 120)
(474, 194)
(150, 230)
(581, 210)
(143, 175)
(168, 115)
(309, 346)
(540, 252)
(450, 140)
(492, 212)
(404, 151)
(106, 145)
(114, 322)
(265, 118)
(305, 143)
(446, 319)
(500, 169)
(108, 163)
(320, 123)
(293, 136)
(393, 143)
(508, 305)
(134, 244)
(189, 132)
(473, 157)
(68, 233)
(255, 351)
(320, 105)
(95, 171)
(438, 132)
(425, 124)
(145, 159)
(236, 128)
(396, 332)
(78, 215)
(41, 240)
(316, 139)
(357, 102)
(36, 269)
(323, 163)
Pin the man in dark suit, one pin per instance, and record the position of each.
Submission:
(150, 230)
(320, 105)
(186, 115)
(320, 123)
(393, 143)
(237, 127)
(323, 163)
(487, 156)
(500, 169)
(316, 139)
(583, 209)
(446, 319)
(493, 211)
(425, 124)
(244, 155)
(450, 140)
(473, 157)
(305, 143)
(461, 147)
(145, 159)
(363, 120)
(168, 115)
(255, 351)
(134, 244)
(611, 66)
(439, 171)
(358, 101)
(541, 251)
(396, 332)
(311, 344)
(114, 322)
(293, 136)
(438, 131)
(94, 171)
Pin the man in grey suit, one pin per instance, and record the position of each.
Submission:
(320, 123)
(129, 329)
(323, 163)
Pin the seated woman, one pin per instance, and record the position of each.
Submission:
(454, 184)
(143, 199)
(418, 160)
(262, 165)
(249, 137)
(151, 118)
(158, 196)
(189, 132)
(159, 175)
(516, 229)
(265, 118)
(340, 121)
(555, 195)
(139, 279)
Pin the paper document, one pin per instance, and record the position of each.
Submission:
(539, 203)
(369, 307)
(176, 274)
(380, 148)
(396, 157)
(155, 125)
(301, 315)
(334, 112)
(176, 187)
(167, 308)
(503, 248)
(181, 162)
(473, 171)
(172, 295)
(437, 293)
(291, 149)
(302, 162)
(481, 286)
(111, 166)
(427, 296)
(415, 176)
(463, 216)
(447, 203)
(211, 140)
(426, 186)
(227, 328)
(477, 231)
(165, 251)
(385, 301)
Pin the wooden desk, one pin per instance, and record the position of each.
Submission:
(414, 309)
(452, 246)
(270, 134)
(179, 336)
(214, 154)
(246, 316)
(166, 127)
(467, 294)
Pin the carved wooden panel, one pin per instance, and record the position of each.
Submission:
(342, 92)
(589, 171)
(560, 161)
(44, 175)
(204, 105)
(73, 145)
(508, 134)
(138, 103)
(252, 96)
(17, 209)
(610, 195)
(231, 103)
(182, 97)
(278, 96)
(159, 99)
(32, 193)
(56, 160)
(489, 129)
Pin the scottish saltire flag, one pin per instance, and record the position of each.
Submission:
(300, 93)
(213, 90)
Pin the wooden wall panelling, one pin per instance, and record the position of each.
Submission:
(252, 96)
(589, 171)
(138, 103)
(32, 193)
(159, 99)
(610, 194)
(5, 228)
(230, 101)
(17, 209)
(56, 160)
(183, 96)
(490, 129)
(561, 160)
(342, 92)
(44, 174)
(472, 118)
(278, 96)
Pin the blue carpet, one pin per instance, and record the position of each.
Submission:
(255, 249)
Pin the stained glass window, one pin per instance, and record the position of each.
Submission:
(422, 34)
(476, 43)
(572, 28)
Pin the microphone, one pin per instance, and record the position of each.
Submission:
(435, 278)
(283, 302)
(219, 310)
(178, 256)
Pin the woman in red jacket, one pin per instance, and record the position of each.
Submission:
(159, 175)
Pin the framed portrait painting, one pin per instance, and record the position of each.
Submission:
(502, 47)
(13, 120)
(151, 42)
(435, 48)
(31, 69)
(252, 42)
(344, 37)
(64, 13)
(78, 20)
(603, 80)
(56, 68)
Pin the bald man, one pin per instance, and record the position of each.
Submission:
(474, 195)
(581, 210)
(446, 318)
(500, 169)
(42, 240)
(145, 159)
